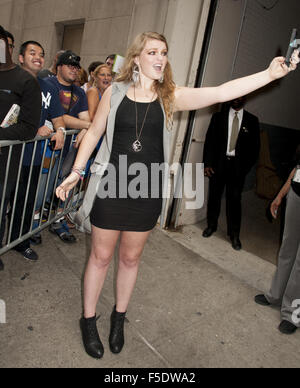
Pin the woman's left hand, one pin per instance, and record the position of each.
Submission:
(278, 67)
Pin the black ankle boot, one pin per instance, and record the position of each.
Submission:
(91, 340)
(116, 337)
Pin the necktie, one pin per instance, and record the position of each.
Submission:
(234, 132)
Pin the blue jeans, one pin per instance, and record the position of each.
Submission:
(43, 183)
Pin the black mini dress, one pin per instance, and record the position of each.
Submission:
(131, 200)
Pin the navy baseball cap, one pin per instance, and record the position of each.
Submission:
(69, 58)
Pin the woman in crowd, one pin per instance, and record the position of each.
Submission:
(82, 78)
(102, 80)
(136, 113)
(91, 70)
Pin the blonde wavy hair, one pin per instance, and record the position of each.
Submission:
(98, 70)
(165, 90)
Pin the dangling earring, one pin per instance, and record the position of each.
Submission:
(136, 75)
(161, 80)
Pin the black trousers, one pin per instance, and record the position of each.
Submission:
(10, 188)
(234, 182)
(21, 203)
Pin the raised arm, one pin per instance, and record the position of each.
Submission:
(87, 145)
(193, 99)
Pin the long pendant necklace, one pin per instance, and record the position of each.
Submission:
(137, 145)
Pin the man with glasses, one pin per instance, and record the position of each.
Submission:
(72, 98)
(75, 106)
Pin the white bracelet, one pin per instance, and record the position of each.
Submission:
(62, 129)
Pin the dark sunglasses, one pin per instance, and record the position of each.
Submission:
(74, 67)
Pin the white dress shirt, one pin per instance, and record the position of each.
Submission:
(240, 115)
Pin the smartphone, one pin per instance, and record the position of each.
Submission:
(292, 46)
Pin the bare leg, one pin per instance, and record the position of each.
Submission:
(131, 248)
(103, 247)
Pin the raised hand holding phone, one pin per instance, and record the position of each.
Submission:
(293, 49)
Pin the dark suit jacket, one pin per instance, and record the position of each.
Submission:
(247, 148)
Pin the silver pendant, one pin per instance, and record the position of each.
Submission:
(137, 146)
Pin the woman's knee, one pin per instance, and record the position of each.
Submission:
(101, 258)
(130, 259)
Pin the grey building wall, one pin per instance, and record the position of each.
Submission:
(106, 24)
(109, 25)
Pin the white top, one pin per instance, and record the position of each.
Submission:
(231, 115)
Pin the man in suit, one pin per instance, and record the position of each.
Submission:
(231, 150)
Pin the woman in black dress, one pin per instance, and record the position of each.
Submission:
(140, 127)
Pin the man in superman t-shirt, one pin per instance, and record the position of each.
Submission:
(75, 106)
(72, 98)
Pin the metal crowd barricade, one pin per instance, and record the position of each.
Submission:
(70, 205)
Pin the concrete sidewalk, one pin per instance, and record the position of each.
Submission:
(192, 307)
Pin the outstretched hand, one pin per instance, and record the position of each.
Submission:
(278, 67)
(67, 185)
